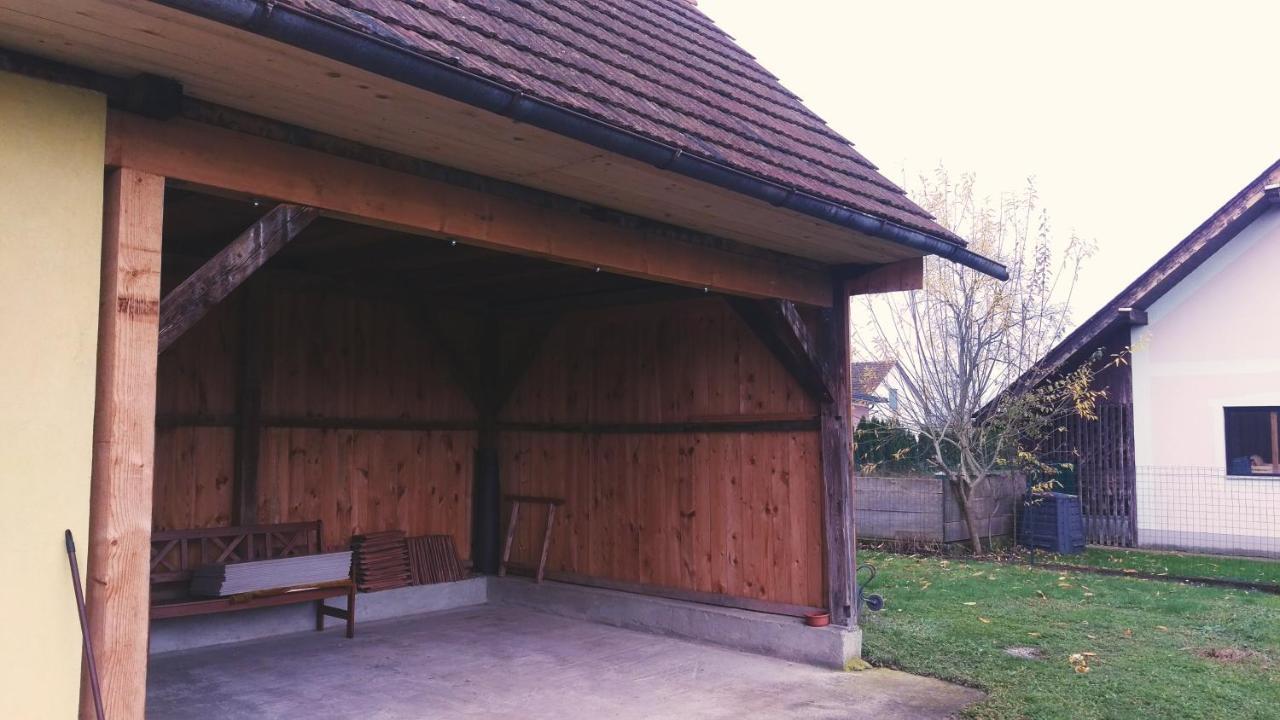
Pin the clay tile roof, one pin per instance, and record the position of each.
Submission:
(865, 377)
(658, 68)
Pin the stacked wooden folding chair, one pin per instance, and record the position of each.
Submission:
(433, 559)
(381, 560)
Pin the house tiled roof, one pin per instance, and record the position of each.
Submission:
(865, 377)
(659, 69)
(1212, 235)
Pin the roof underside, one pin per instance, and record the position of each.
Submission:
(646, 108)
(660, 69)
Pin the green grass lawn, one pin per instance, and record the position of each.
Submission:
(1159, 649)
(1174, 564)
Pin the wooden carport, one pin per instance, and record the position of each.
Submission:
(796, 314)
(652, 331)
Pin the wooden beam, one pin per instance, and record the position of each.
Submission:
(837, 465)
(743, 425)
(124, 441)
(215, 280)
(212, 157)
(592, 300)
(782, 330)
(892, 277)
(1133, 316)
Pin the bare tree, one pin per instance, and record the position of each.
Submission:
(965, 337)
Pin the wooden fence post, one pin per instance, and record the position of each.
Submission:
(124, 441)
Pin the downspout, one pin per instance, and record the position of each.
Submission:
(322, 37)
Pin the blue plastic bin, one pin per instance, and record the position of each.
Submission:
(1052, 522)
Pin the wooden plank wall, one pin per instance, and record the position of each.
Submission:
(731, 512)
(365, 428)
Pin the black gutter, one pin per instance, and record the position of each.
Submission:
(348, 46)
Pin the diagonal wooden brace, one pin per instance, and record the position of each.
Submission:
(223, 273)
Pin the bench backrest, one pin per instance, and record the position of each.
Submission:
(175, 553)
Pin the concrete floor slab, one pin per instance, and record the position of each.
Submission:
(505, 662)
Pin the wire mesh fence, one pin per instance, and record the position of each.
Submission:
(1190, 523)
(1207, 510)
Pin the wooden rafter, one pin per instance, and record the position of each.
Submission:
(223, 273)
(779, 326)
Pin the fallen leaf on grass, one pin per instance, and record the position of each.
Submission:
(1128, 633)
(1162, 628)
(971, 603)
(1080, 661)
(1042, 595)
(1088, 594)
(985, 621)
(1033, 634)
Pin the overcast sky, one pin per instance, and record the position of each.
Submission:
(1137, 119)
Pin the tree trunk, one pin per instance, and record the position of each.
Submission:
(963, 493)
(971, 522)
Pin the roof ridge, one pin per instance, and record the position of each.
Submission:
(892, 195)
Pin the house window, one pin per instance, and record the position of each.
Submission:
(1253, 441)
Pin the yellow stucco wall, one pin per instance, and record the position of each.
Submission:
(51, 175)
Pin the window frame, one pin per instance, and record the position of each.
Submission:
(1274, 460)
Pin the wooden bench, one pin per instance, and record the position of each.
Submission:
(175, 553)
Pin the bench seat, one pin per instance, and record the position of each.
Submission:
(174, 553)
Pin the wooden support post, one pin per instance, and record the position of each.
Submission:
(837, 477)
(488, 364)
(215, 280)
(124, 441)
(248, 442)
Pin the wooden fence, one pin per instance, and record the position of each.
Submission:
(924, 509)
(1102, 451)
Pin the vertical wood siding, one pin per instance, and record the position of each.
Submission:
(737, 513)
(328, 359)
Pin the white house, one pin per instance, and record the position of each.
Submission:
(1191, 456)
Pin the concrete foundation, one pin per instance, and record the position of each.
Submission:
(498, 661)
(199, 631)
(774, 635)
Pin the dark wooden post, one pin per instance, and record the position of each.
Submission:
(248, 442)
(486, 498)
(837, 477)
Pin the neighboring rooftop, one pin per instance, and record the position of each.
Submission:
(865, 377)
(1132, 302)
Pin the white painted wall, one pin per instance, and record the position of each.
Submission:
(1211, 342)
